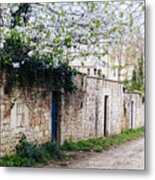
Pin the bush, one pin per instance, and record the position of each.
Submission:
(70, 145)
(16, 161)
(27, 154)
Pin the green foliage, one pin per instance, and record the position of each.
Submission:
(14, 50)
(100, 74)
(16, 161)
(100, 144)
(68, 40)
(97, 24)
(134, 77)
(83, 54)
(20, 15)
(28, 154)
(134, 84)
(34, 70)
(131, 20)
(58, 29)
(137, 82)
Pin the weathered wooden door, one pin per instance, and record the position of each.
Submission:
(54, 115)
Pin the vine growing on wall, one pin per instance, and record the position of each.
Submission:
(24, 70)
(42, 44)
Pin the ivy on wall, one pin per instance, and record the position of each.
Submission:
(23, 70)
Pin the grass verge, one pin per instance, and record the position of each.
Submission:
(100, 144)
(28, 154)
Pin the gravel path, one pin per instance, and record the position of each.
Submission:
(126, 156)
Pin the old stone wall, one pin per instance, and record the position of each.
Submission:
(134, 110)
(84, 111)
(84, 114)
(98, 108)
(27, 114)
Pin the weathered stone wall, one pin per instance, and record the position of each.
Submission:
(114, 91)
(27, 114)
(138, 110)
(83, 113)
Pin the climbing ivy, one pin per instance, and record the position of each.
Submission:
(24, 70)
(60, 29)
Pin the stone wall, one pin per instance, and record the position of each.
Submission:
(138, 110)
(27, 114)
(98, 108)
(83, 114)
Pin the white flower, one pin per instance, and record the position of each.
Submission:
(16, 65)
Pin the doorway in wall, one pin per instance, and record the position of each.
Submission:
(96, 117)
(106, 104)
(54, 116)
(132, 110)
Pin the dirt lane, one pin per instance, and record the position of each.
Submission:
(126, 156)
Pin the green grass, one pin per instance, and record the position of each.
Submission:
(28, 154)
(100, 144)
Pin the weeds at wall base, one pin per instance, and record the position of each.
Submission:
(31, 154)
(28, 154)
(100, 144)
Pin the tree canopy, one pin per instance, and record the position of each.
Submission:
(56, 27)
(49, 34)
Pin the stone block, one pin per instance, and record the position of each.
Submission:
(37, 128)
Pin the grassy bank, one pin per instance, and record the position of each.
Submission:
(30, 154)
(100, 144)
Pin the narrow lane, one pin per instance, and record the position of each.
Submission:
(126, 156)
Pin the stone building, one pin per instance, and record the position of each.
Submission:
(92, 66)
(99, 108)
(104, 60)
